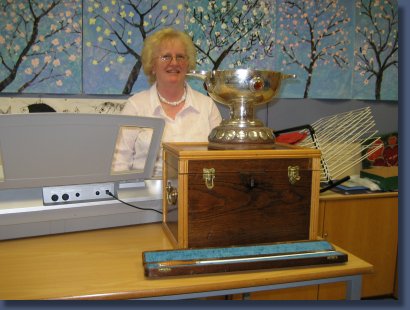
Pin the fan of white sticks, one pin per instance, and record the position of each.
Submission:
(344, 139)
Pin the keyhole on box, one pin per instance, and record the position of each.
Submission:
(252, 182)
(249, 181)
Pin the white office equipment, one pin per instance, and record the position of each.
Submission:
(56, 173)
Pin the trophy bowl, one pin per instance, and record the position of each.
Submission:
(241, 90)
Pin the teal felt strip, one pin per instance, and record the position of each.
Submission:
(226, 252)
(266, 258)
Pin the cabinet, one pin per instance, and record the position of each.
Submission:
(366, 226)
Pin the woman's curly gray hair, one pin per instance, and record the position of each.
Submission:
(152, 45)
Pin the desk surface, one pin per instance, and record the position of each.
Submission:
(107, 264)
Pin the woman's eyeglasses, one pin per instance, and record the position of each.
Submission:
(181, 59)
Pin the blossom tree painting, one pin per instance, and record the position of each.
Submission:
(40, 46)
(114, 33)
(313, 37)
(377, 41)
(338, 49)
(231, 34)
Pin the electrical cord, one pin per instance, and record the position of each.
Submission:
(126, 203)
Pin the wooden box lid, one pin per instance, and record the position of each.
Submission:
(195, 150)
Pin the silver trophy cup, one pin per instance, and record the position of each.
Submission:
(241, 90)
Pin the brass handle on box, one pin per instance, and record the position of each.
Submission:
(172, 194)
(208, 176)
(293, 174)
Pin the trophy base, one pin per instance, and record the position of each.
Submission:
(238, 138)
(240, 146)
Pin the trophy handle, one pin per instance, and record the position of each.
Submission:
(288, 76)
(198, 74)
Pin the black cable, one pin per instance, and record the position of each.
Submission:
(126, 203)
(334, 183)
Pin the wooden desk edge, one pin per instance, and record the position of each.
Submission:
(144, 287)
(362, 268)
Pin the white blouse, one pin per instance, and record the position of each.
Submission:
(193, 123)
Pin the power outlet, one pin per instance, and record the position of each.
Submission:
(78, 193)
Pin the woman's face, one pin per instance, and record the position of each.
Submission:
(171, 64)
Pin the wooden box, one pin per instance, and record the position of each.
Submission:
(214, 198)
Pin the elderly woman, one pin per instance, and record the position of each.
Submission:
(189, 116)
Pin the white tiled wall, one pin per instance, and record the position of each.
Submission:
(71, 105)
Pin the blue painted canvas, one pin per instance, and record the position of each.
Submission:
(338, 49)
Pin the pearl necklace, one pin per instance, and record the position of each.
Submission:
(173, 103)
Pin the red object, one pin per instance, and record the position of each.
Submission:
(387, 155)
(373, 156)
(291, 138)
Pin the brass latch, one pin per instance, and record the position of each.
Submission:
(172, 194)
(293, 174)
(208, 176)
